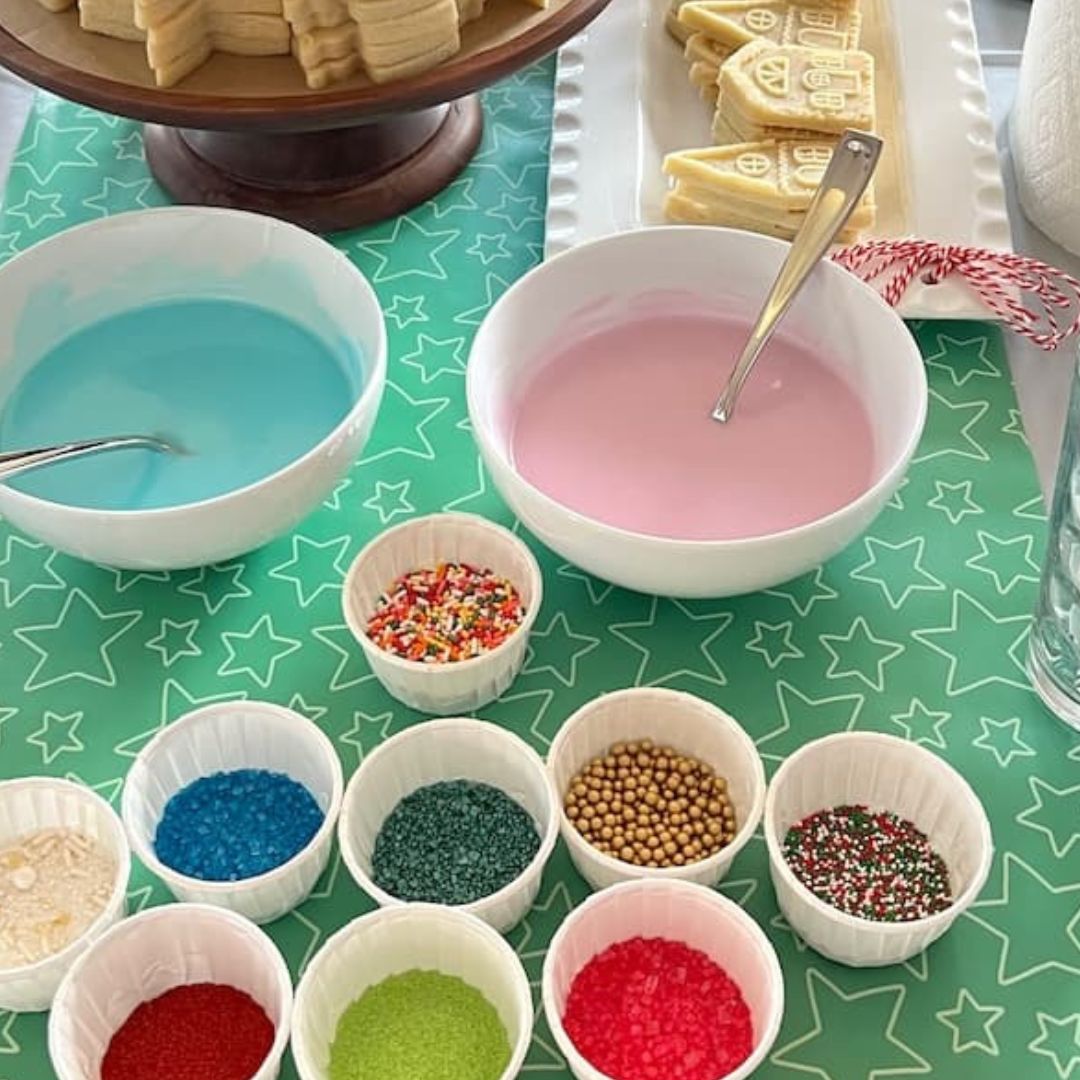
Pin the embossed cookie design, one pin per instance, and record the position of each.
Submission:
(766, 186)
(778, 91)
(734, 23)
(720, 27)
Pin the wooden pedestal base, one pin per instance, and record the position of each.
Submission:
(325, 181)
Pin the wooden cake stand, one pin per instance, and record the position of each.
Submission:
(326, 160)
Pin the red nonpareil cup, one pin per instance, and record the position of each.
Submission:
(149, 954)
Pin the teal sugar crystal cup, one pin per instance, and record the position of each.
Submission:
(451, 749)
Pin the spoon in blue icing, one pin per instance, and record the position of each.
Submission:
(15, 462)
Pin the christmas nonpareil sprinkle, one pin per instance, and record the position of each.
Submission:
(420, 1025)
(445, 614)
(868, 863)
(653, 1009)
(650, 805)
(203, 1031)
(53, 884)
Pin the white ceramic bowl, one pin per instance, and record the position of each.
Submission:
(453, 749)
(154, 952)
(209, 252)
(884, 773)
(671, 718)
(677, 911)
(219, 738)
(42, 802)
(845, 322)
(391, 941)
(455, 688)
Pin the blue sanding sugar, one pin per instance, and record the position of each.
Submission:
(235, 825)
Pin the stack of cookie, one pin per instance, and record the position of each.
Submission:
(763, 186)
(325, 42)
(181, 35)
(785, 77)
(330, 39)
(468, 10)
(399, 38)
(715, 29)
(113, 18)
(777, 91)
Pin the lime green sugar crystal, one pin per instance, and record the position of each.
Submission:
(421, 1025)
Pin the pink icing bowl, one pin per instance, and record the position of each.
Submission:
(847, 327)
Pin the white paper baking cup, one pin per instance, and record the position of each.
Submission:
(219, 738)
(677, 911)
(671, 718)
(151, 953)
(455, 749)
(394, 940)
(884, 773)
(455, 688)
(42, 802)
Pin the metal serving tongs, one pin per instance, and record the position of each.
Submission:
(846, 178)
(14, 462)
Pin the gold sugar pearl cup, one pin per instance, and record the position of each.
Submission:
(698, 737)
(651, 805)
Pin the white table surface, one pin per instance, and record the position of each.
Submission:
(1042, 380)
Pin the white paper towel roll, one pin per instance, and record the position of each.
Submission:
(1045, 124)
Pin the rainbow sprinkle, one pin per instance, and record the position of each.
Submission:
(871, 864)
(443, 615)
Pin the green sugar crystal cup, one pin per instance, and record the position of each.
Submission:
(406, 940)
(417, 1024)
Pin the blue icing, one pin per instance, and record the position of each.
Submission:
(235, 825)
(245, 390)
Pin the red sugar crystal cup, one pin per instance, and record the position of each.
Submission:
(677, 911)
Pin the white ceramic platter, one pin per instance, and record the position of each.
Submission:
(623, 100)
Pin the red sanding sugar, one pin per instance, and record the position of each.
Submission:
(197, 1032)
(651, 1009)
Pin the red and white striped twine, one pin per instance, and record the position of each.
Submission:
(1030, 297)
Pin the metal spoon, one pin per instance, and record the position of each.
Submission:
(846, 178)
(14, 462)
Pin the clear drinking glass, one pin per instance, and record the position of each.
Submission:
(1054, 651)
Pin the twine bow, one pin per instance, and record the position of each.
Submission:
(1035, 300)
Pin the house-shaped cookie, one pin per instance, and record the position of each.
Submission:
(734, 23)
(775, 91)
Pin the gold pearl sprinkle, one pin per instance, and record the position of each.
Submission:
(651, 805)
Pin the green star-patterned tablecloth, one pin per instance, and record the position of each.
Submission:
(919, 629)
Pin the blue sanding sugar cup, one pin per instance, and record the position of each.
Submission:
(235, 825)
(234, 804)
